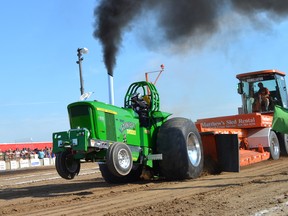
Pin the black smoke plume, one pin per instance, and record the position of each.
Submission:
(112, 16)
(178, 20)
(251, 7)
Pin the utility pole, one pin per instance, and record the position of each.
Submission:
(80, 52)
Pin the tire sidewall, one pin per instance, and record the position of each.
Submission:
(194, 171)
(61, 166)
(112, 159)
(172, 144)
(274, 146)
(283, 141)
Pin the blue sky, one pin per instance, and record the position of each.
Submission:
(40, 77)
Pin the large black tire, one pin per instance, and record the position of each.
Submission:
(119, 159)
(179, 142)
(133, 176)
(274, 148)
(283, 141)
(66, 166)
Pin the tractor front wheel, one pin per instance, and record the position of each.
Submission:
(66, 166)
(119, 159)
(180, 144)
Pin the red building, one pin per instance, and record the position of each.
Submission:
(21, 145)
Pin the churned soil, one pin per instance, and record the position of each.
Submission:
(259, 189)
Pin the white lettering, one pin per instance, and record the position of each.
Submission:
(231, 122)
(246, 121)
(212, 124)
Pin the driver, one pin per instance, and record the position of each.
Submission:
(138, 103)
(263, 96)
(140, 106)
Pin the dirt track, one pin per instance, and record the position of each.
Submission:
(260, 189)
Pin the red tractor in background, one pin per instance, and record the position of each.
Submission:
(239, 140)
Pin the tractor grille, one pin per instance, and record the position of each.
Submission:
(79, 111)
(82, 117)
(110, 126)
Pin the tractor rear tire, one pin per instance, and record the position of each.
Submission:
(283, 141)
(66, 166)
(179, 142)
(274, 148)
(109, 177)
(119, 159)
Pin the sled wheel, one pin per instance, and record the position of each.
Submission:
(133, 176)
(180, 144)
(119, 159)
(283, 141)
(274, 146)
(66, 166)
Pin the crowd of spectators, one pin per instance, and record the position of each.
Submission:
(26, 153)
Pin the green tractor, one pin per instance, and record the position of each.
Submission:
(128, 141)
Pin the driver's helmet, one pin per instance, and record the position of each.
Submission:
(135, 96)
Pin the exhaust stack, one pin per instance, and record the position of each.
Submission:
(111, 89)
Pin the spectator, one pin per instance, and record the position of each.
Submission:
(32, 155)
(9, 155)
(52, 154)
(1, 155)
(23, 153)
(41, 154)
(48, 152)
(17, 154)
(28, 153)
